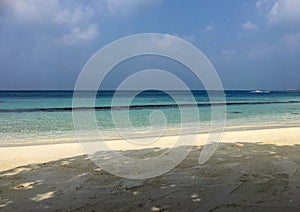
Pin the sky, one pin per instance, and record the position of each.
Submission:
(252, 44)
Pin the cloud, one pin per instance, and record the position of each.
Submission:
(209, 28)
(72, 23)
(285, 12)
(30, 11)
(78, 35)
(126, 7)
(75, 16)
(264, 5)
(280, 12)
(249, 26)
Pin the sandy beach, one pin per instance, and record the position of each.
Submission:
(149, 105)
(252, 170)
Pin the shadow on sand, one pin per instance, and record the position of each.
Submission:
(239, 176)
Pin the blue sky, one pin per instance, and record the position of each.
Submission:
(252, 44)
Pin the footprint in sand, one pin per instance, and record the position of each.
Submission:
(287, 166)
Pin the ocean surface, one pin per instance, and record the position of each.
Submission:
(29, 117)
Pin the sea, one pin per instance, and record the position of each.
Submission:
(38, 117)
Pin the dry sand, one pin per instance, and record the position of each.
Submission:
(250, 170)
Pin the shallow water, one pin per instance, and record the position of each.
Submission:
(46, 116)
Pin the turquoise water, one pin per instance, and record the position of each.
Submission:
(46, 116)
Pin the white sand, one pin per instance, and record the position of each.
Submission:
(12, 157)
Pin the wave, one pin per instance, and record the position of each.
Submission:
(58, 109)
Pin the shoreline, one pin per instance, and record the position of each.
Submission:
(74, 139)
(20, 155)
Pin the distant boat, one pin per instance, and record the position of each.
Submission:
(260, 91)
